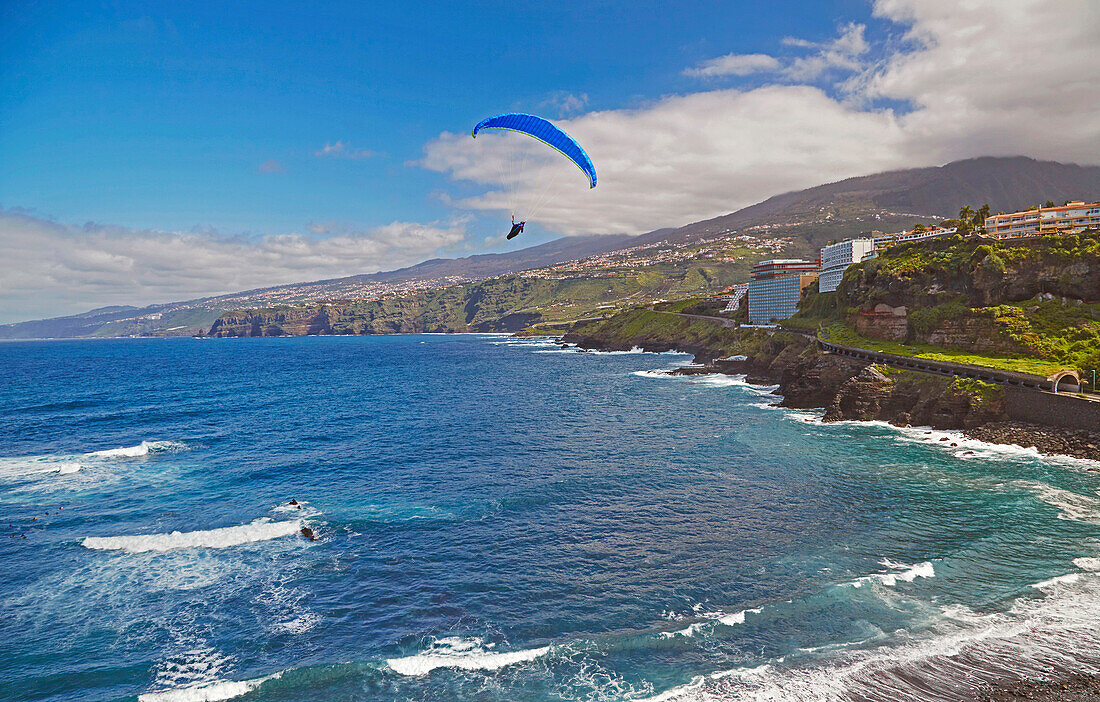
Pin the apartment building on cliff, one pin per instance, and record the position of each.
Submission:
(776, 287)
(835, 259)
(1071, 218)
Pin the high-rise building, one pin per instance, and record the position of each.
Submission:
(782, 267)
(835, 259)
(776, 287)
(1071, 218)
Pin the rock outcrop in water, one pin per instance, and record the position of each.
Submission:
(908, 398)
(847, 388)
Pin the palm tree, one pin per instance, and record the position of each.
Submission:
(966, 219)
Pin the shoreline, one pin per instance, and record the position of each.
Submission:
(1070, 687)
(849, 390)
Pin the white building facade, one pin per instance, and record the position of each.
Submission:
(736, 294)
(835, 259)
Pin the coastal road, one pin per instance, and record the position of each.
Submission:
(720, 320)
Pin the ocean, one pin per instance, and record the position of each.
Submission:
(502, 519)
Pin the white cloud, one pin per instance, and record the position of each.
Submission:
(734, 65)
(48, 268)
(339, 149)
(996, 78)
(974, 87)
(685, 158)
(842, 53)
(271, 166)
(565, 103)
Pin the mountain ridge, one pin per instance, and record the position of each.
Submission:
(886, 201)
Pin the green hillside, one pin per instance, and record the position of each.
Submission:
(507, 303)
(1031, 305)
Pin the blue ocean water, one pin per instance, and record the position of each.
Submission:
(501, 519)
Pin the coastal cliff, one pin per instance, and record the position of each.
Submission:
(1038, 297)
(848, 389)
(807, 376)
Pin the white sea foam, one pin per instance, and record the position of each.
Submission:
(299, 624)
(1071, 506)
(142, 449)
(1088, 563)
(208, 692)
(689, 630)
(907, 574)
(465, 654)
(952, 659)
(634, 350)
(24, 466)
(720, 380)
(259, 530)
(20, 467)
(736, 617)
(1067, 579)
(962, 446)
(194, 675)
(302, 510)
(709, 620)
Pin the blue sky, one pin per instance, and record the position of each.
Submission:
(160, 114)
(157, 152)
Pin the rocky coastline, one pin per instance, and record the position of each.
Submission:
(1079, 687)
(848, 389)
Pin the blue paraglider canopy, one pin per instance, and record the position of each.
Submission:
(547, 133)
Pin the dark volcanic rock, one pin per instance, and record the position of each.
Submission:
(861, 397)
(849, 389)
(1071, 688)
(813, 379)
(1049, 440)
(695, 370)
(910, 398)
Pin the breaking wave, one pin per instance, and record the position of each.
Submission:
(260, 530)
(907, 573)
(208, 692)
(708, 621)
(1071, 506)
(142, 449)
(962, 446)
(712, 379)
(956, 658)
(465, 654)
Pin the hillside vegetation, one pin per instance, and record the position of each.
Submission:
(991, 302)
(508, 303)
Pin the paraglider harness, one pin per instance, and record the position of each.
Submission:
(516, 228)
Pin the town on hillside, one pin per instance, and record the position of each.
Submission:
(777, 284)
(1051, 336)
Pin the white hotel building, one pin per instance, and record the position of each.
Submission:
(835, 259)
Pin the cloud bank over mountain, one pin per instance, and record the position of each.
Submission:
(958, 81)
(925, 83)
(50, 267)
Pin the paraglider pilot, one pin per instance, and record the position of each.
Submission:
(516, 228)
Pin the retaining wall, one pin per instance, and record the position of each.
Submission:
(1055, 410)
